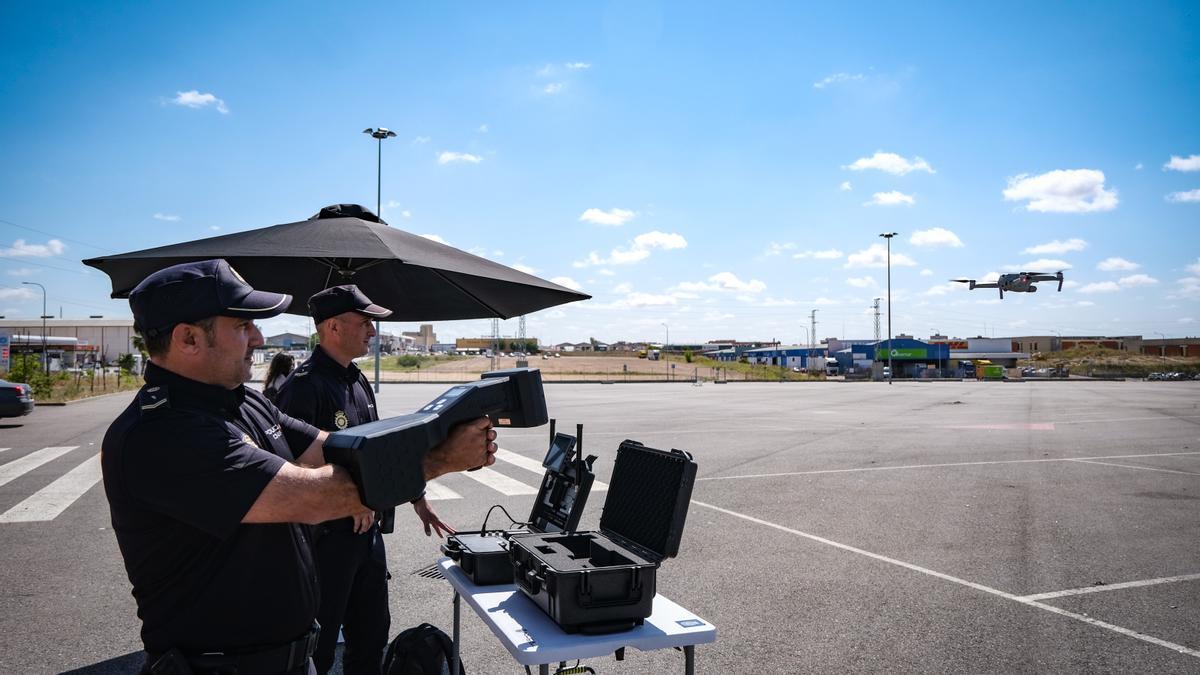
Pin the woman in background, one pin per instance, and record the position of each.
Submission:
(281, 367)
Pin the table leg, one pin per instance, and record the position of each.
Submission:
(457, 638)
(689, 660)
(544, 669)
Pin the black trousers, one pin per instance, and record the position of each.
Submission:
(352, 569)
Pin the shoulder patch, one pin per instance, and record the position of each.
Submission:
(153, 398)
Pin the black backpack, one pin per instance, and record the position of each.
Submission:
(424, 650)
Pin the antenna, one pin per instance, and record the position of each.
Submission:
(876, 306)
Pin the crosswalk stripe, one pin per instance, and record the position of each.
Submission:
(18, 467)
(499, 482)
(536, 466)
(438, 491)
(50, 501)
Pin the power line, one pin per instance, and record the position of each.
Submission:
(57, 236)
(21, 261)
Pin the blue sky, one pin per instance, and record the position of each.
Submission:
(717, 168)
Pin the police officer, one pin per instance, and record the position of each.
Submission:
(208, 484)
(329, 391)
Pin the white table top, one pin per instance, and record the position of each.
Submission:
(533, 638)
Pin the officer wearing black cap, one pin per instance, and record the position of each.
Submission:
(208, 484)
(329, 391)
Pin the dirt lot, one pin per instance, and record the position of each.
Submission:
(618, 368)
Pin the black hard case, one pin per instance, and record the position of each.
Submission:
(484, 555)
(599, 582)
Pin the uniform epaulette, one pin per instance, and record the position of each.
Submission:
(153, 398)
(303, 369)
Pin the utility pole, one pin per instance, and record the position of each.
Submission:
(521, 333)
(812, 337)
(876, 306)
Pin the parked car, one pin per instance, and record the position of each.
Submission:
(16, 399)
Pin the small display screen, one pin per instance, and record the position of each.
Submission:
(559, 453)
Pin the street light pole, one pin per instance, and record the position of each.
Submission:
(1163, 349)
(664, 350)
(45, 361)
(888, 236)
(378, 134)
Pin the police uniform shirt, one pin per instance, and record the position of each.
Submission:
(329, 396)
(182, 466)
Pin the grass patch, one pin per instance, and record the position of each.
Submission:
(411, 362)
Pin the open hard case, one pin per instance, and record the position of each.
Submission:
(483, 555)
(601, 582)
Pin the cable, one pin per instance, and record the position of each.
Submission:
(48, 234)
(489, 515)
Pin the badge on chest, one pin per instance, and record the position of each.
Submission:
(340, 420)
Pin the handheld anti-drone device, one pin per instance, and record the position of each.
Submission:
(386, 457)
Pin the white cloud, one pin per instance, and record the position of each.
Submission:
(568, 282)
(892, 198)
(483, 129)
(938, 236)
(1190, 163)
(943, 289)
(606, 272)
(524, 268)
(1189, 287)
(1194, 268)
(824, 254)
(1188, 197)
(722, 281)
(421, 140)
(1057, 247)
(1062, 191)
(215, 228)
(891, 163)
(578, 65)
(775, 248)
(21, 272)
(166, 217)
(1137, 280)
(862, 282)
(610, 217)
(1085, 303)
(1117, 265)
(1040, 265)
(1139, 166)
(16, 294)
(836, 78)
(553, 88)
(546, 70)
(434, 237)
(845, 186)
(448, 157)
(637, 251)
(406, 214)
(1101, 287)
(876, 256)
(1187, 319)
(623, 288)
(926, 272)
(824, 301)
(194, 99)
(21, 249)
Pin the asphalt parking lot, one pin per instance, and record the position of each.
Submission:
(917, 527)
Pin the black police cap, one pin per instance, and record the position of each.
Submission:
(189, 292)
(338, 299)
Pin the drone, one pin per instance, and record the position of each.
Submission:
(1020, 282)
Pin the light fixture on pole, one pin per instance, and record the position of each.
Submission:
(1163, 349)
(888, 236)
(378, 134)
(45, 361)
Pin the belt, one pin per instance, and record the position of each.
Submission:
(280, 659)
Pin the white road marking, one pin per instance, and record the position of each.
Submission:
(937, 466)
(50, 501)
(963, 582)
(1131, 466)
(435, 490)
(18, 467)
(499, 482)
(536, 466)
(1112, 587)
(3, 449)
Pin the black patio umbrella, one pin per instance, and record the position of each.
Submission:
(417, 278)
